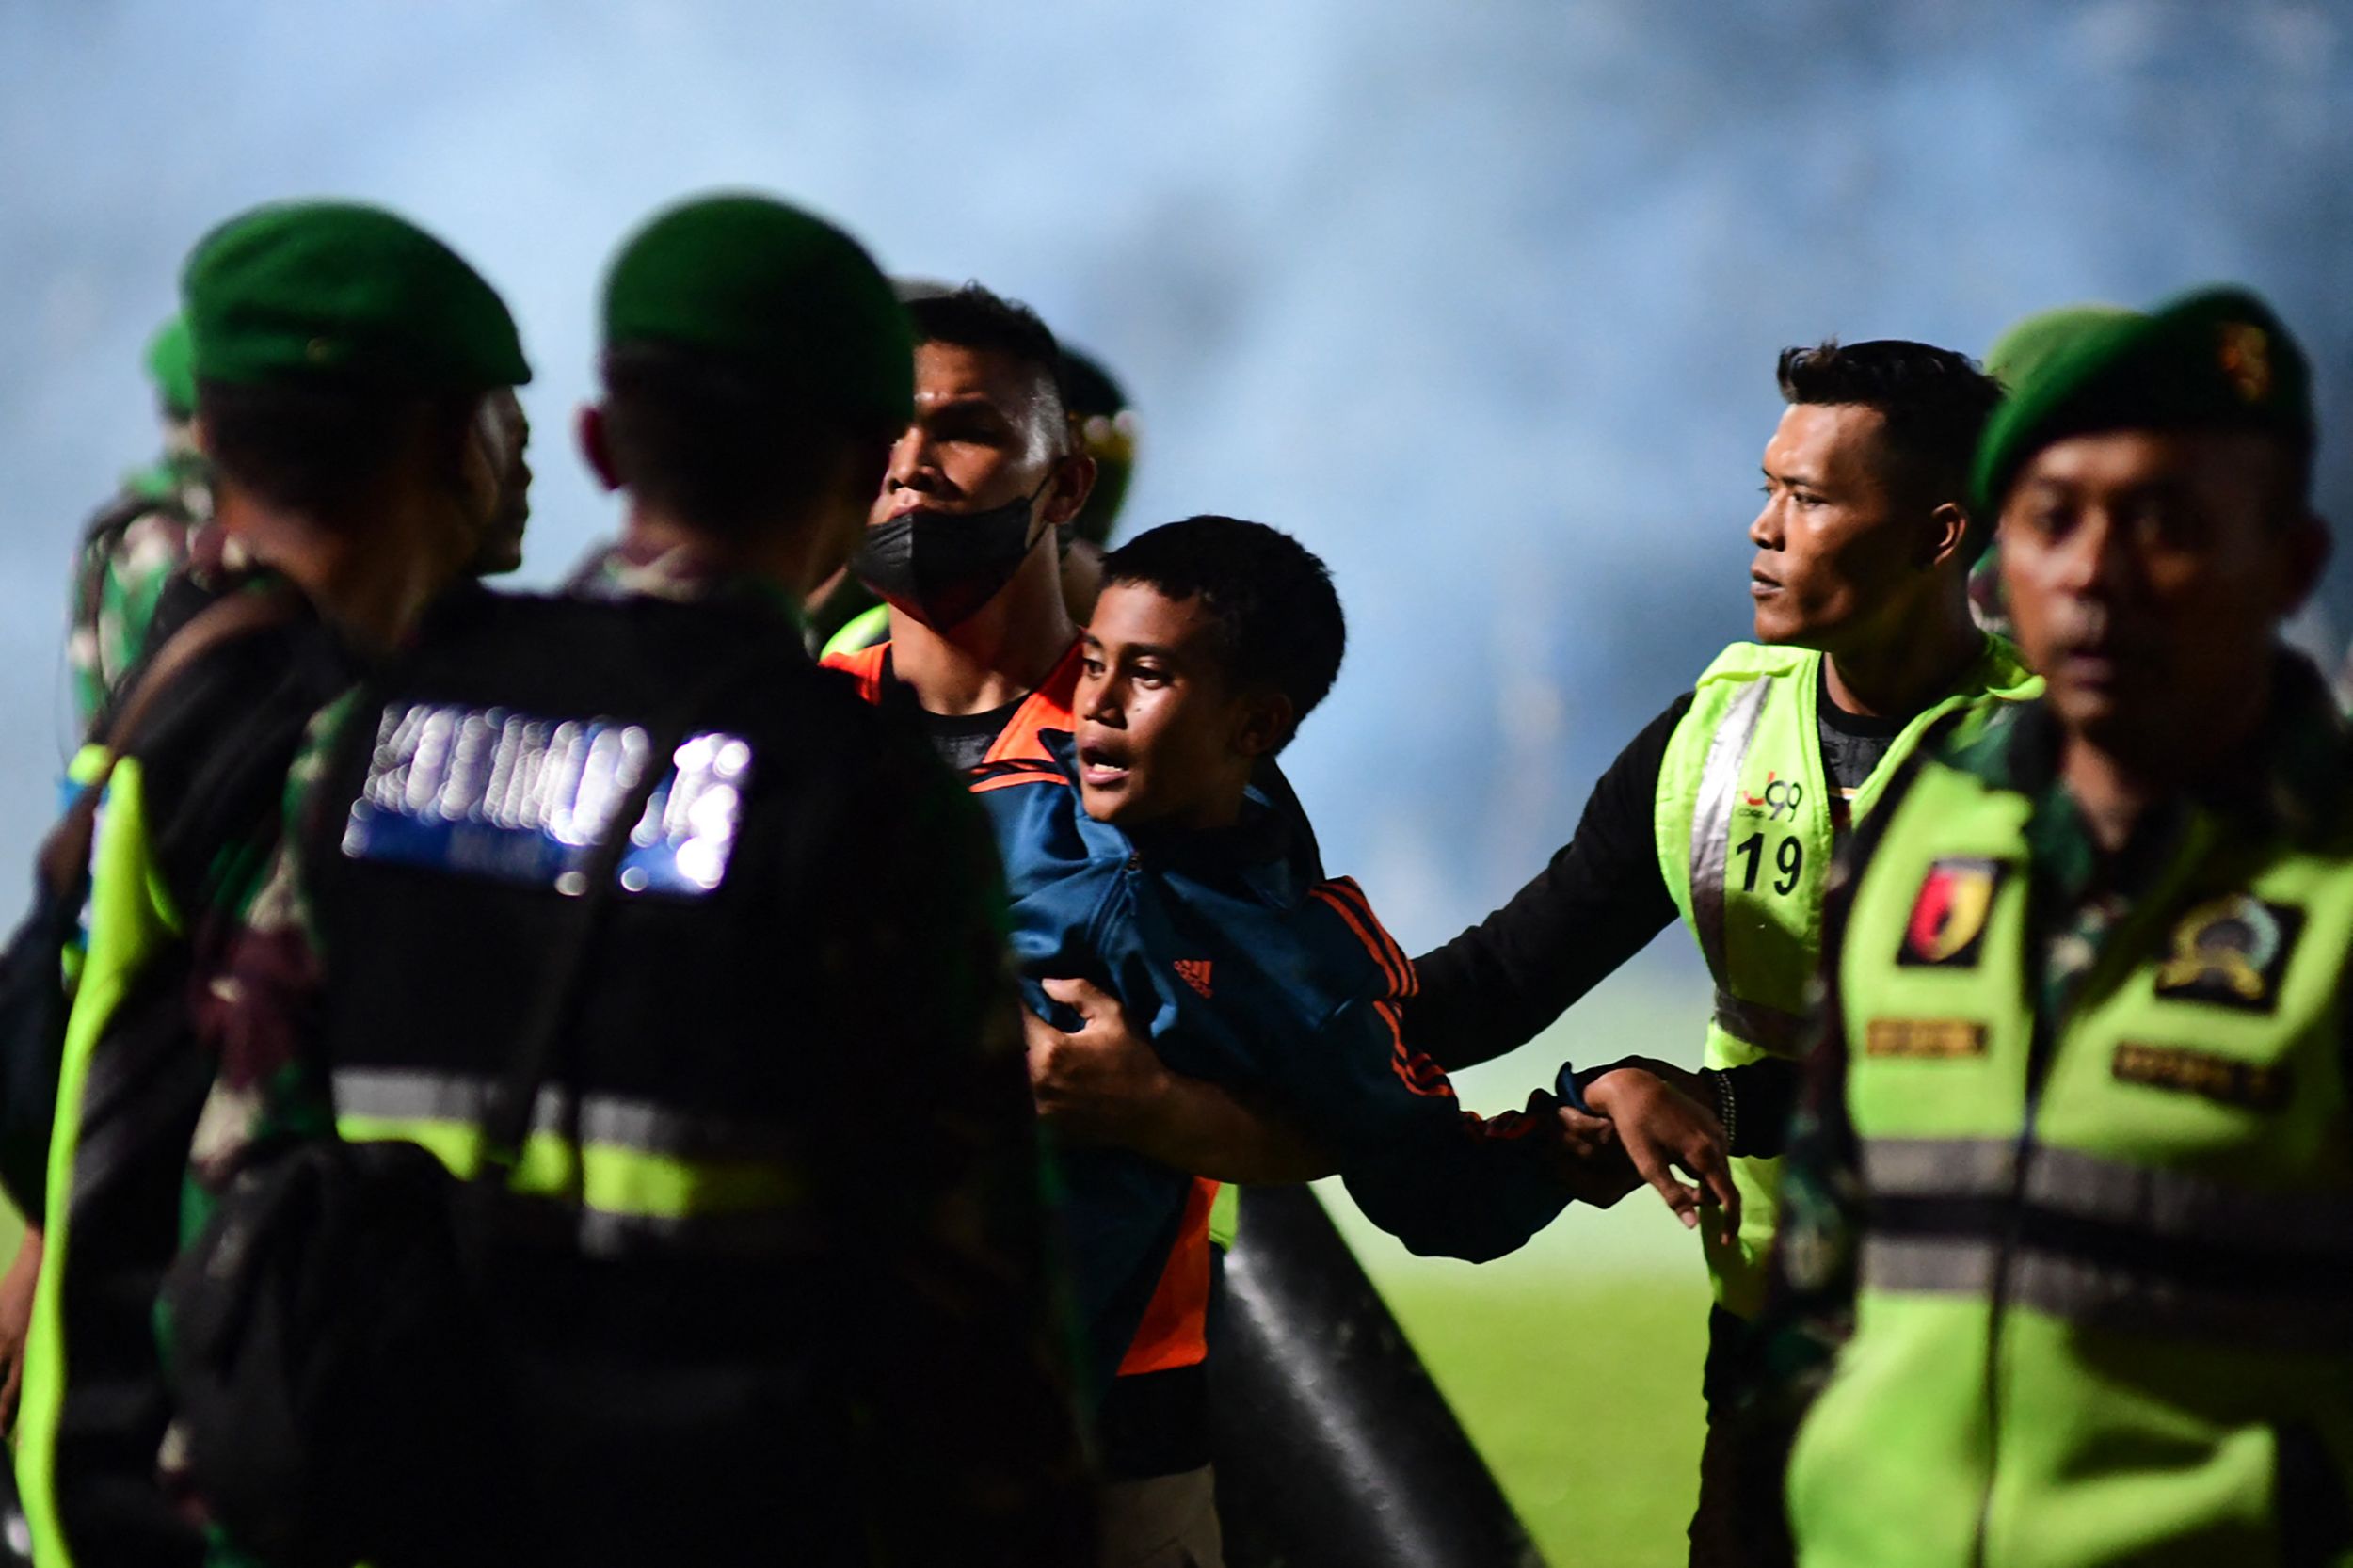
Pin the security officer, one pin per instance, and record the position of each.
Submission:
(341, 360)
(2075, 1165)
(773, 1260)
(130, 550)
(1722, 813)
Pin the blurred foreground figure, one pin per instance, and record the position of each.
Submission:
(342, 362)
(683, 1202)
(2073, 1168)
(1724, 811)
(2022, 349)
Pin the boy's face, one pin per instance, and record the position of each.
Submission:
(1164, 737)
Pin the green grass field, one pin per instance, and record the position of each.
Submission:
(1574, 1362)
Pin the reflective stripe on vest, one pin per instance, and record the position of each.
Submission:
(622, 1173)
(131, 918)
(1711, 823)
(2104, 1243)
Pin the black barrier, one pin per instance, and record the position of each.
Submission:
(1334, 1449)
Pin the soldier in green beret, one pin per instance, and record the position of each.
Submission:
(343, 363)
(2073, 1182)
(787, 1196)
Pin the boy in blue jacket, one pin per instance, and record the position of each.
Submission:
(1140, 856)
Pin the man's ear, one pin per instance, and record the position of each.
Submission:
(596, 445)
(1073, 482)
(1948, 526)
(1267, 721)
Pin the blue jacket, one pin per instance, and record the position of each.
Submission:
(1243, 968)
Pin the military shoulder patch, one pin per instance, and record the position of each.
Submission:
(2231, 951)
(1938, 1039)
(2252, 1085)
(1948, 914)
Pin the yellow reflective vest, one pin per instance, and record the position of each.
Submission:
(1744, 837)
(2106, 1301)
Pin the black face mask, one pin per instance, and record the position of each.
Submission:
(942, 567)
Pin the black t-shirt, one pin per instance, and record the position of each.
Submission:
(960, 740)
(1852, 747)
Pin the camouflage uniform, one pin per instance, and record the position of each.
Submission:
(161, 523)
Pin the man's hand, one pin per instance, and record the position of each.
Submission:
(1594, 1162)
(1661, 1119)
(1100, 1085)
(16, 1316)
(1106, 1084)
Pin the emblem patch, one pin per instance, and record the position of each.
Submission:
(1947, 923)
(1939, 1039)
(2252, 1085)
(1195, 973)
(2244, 359)
(2231, 951)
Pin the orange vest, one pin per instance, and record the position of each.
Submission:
(1172, 1333)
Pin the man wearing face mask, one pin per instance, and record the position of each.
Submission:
(961, 543)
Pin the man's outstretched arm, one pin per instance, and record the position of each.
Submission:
(1599, 901)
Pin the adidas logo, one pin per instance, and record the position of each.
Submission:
(1195, 973)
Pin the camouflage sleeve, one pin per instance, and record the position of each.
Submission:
(118, 581)
(965, 1398)
(257, 1004)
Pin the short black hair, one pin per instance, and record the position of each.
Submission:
(1935, 403)
(318, 447)
(979, 318)
(711, 443)
(1278, 616)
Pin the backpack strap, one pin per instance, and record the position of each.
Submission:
(64, 853)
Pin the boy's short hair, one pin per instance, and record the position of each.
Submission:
(1277, 614)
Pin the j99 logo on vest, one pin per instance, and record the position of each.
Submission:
(1780, 796)
(1789, 859)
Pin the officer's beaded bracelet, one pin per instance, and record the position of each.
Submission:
(1727, 1108)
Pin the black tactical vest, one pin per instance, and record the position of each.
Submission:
(662, 1268)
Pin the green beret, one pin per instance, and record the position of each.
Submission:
(785, 295)
(2215, 360)
(306, 290)
(2026, 344)
(171, 365)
